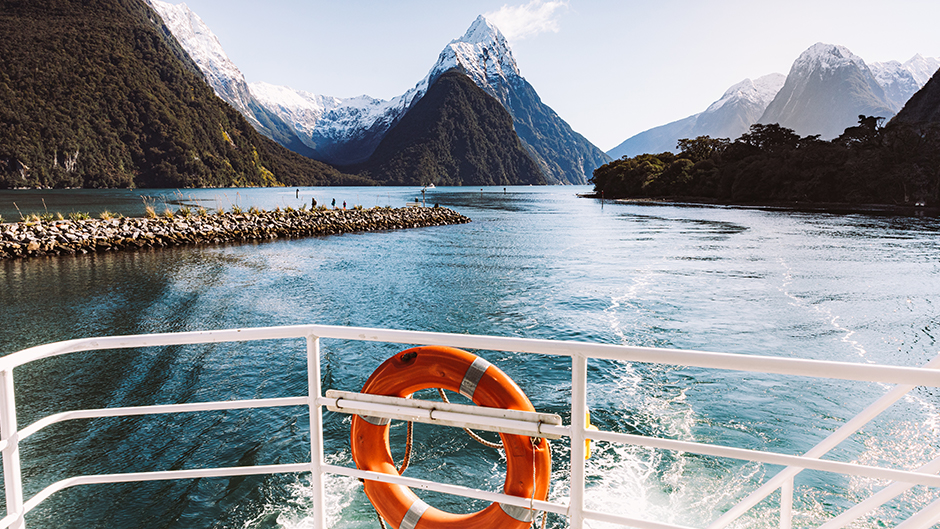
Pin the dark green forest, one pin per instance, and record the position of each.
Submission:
(455, 135)
(96, 93)
(898, 164)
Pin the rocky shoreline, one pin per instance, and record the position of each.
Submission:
(68, 237)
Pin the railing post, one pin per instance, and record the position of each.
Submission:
(12, 472)
(578, 422)
(314, 393)
(786, 504)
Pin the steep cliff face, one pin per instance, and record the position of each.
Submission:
(223, 75)
(483, 53)
(827, 88)
(97, 93)
(455, 135)
(924, 106)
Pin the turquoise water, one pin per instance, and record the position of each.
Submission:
(535, 262)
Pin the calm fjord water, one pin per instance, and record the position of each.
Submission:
(535, 262)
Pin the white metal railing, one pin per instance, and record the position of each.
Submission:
(906, 379)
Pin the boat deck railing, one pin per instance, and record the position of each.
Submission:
(573, 507)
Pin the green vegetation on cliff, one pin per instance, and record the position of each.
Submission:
(897, 165)
(96, 93)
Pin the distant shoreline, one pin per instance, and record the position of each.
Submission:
(836, 208)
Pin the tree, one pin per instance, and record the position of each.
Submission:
(702, 148)
(866, 135)
(771, 137)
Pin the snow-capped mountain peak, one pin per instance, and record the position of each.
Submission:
(197, 39)
(760, 92)
(206, 51)
(827, 89)
(319, 117)
(482, 31)
(195, 35)
(482, 53)
(922, 68)
(826, 56)
(901, 81)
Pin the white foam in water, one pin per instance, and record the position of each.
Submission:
(296, 513)
(614, 317)
(653, 484)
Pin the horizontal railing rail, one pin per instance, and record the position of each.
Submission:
(574, 508)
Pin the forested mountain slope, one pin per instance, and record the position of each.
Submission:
(97, 93)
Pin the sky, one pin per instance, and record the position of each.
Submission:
(611, 69)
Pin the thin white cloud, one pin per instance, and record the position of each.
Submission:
(527, 20)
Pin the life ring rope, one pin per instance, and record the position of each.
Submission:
(418, 507)
(473, 435)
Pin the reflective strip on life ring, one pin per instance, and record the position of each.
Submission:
(470, 380)
(459, 371)
(414, 514)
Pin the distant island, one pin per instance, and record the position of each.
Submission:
(869, 164)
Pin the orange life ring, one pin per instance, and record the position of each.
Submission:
(528, 464)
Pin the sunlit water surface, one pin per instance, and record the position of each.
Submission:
(535, 263)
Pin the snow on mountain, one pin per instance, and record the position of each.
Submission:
(897, 81)
(482, 53)
(901, 81)
(759, 92)
(302, 109)
(331, 129)
(827, 88)
(922, 111)
(342, 131)
(923, 68)
(206, 51)
(346, 131)
(323, 120)
(320, 119)
(822, 57)
(223, 76)
(729, 117)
